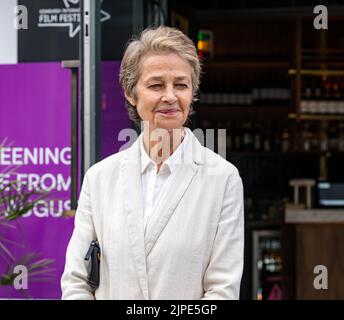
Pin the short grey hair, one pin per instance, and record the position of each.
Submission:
(160, 39)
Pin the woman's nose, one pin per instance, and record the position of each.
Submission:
(169, 95)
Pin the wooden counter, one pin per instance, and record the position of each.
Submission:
(314, 216)
(318, 239)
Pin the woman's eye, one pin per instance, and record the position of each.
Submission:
(181, 85)
(155, 86)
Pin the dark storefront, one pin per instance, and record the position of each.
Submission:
(272, 79)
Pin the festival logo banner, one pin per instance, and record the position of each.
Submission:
(53, 29)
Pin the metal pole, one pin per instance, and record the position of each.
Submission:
(91, 81)
(73, 65)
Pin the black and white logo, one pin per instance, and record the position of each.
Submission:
(67, 17)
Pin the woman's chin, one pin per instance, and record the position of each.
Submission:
(169, 125)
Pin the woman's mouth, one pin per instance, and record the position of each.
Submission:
(169, 112)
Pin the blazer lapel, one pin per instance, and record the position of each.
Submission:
(132, 198)
(177, 186)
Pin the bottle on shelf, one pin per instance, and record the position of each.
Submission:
(267, 138)
(211, 90)
(318, 89)
(323, 139)
(257, 138)
(315, 140)
(338, 100)
(277, 139)
(322, 96)
(229, 136)
(332, 137)
(293, 136)
(326, 86)
(218, 90)
(247, 136)
(285, 140)
(237, 137)
(270, 266)
(307, 90)
(306, 137)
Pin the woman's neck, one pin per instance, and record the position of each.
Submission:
(161, 143)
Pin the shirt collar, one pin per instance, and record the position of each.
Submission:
(145, 159)
(171, 162)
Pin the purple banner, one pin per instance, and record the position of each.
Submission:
(35, 102)
(35, 118)
(114, 116)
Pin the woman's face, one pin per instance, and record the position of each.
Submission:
(163, 91)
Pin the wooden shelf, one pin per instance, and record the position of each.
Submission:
(273, 153)
(316, 117)
(235, 108)
(316, 72)
(314, 216)
(323, 51)
(256, 224)
(283, 13)
(247, 64)
(224, 112)
(315, 63)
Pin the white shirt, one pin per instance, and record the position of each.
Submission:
(153, 182)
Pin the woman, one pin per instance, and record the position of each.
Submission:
(167, 212)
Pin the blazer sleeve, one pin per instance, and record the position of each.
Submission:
(223, 274)
(74, 279)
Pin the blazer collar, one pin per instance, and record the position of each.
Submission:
(143, 242)
(132, 200)
(177, 185)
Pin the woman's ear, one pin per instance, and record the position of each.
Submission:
(130, 99)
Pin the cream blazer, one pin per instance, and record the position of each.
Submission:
(194, 240)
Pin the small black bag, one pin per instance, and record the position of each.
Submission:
(93, 265)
